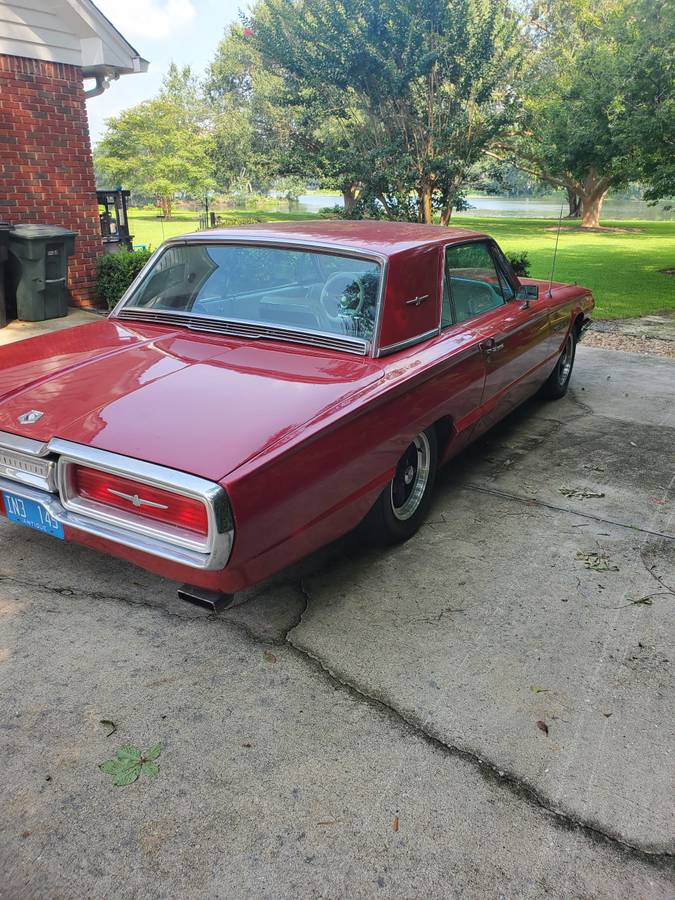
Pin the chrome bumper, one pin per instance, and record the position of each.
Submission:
(46, 483)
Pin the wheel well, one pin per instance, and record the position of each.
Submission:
(444, 431)
(576, 326)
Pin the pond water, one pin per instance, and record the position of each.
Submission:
(539, 208)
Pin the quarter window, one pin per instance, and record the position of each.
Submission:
(473, 284)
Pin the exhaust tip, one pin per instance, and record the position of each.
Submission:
(211, 600)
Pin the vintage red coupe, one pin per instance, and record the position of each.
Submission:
(260, 391)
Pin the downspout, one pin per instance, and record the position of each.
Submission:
(102, 84)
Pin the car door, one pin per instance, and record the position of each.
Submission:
(512, 334)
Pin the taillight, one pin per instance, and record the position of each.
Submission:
(143, 500)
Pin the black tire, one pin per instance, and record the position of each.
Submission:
(558, 381)
(404, 503)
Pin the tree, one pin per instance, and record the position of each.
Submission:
(595, 117)
(645, 120)
(269, 125)
(162, 146)
(423, 87)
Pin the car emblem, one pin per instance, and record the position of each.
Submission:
(30, 417)
(136, 500)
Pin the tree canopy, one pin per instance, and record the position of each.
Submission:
(399, 103)
(595, 116)
(162, 146)
(422, 86)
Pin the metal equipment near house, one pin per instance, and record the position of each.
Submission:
(114, 220)
(38, 270)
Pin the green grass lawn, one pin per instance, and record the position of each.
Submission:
(148, 229)
(620, 267)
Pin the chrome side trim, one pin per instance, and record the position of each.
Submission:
(247, 329)
(410, 342)
(18, 444)
(116, 535)
(30, 470)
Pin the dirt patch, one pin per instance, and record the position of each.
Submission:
(630, 344)
(667, 271)
(600, 229)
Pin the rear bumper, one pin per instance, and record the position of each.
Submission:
(113, 533)
(38, 475)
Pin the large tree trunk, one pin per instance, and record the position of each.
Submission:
(592, 197)
(591, 206)
(349, 195)
(425, 213)
(574, 203)
(446, 215)
(166, 205)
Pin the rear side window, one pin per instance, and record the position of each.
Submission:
(472, 283)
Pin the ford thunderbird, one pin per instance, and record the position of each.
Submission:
(259, 392)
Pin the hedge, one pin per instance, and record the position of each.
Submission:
(116, 271)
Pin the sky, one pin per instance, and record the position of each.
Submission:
(162, 31)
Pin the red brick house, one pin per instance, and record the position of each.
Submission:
(47, 49)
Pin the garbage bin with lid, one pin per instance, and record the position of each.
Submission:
(5, 312)
(38, 267)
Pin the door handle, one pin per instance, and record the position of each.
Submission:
(490, 346)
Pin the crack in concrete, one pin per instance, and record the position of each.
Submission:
(533, 501)
(577, 401)
(489, 771)
(519, 787)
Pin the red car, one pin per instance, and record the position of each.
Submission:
(260, 391)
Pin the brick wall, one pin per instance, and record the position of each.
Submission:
(46, 168)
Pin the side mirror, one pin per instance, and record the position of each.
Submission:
(528, 292)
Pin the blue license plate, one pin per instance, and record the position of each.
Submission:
(33, 515)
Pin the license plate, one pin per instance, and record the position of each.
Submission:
(31, 514)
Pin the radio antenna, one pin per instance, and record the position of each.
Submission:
(555, 252)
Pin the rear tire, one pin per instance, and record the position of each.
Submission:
(558, 381)
(404, 503)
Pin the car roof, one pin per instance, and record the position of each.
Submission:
(373, 236)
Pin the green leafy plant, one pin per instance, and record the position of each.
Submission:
(129, 762)
(520, 262)
(116, 271)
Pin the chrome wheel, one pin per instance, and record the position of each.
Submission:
(566, 361)
(410, 481)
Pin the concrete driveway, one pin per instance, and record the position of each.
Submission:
(486, 711)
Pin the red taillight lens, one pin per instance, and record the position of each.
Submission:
(141, 499)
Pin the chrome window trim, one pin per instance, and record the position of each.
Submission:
(356, 345)
(379, 315)
(248, 328)
(491, 244)
(410, 342)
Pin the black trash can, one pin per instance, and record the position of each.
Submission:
(38, 267)
(6, 313)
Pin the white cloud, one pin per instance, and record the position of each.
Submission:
(148, 19)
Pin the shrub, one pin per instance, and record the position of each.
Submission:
(116, 271)
(233, 221)
(520, 262)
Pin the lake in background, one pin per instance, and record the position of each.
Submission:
(541, 208)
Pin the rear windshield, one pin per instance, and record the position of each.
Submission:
(298, 289)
